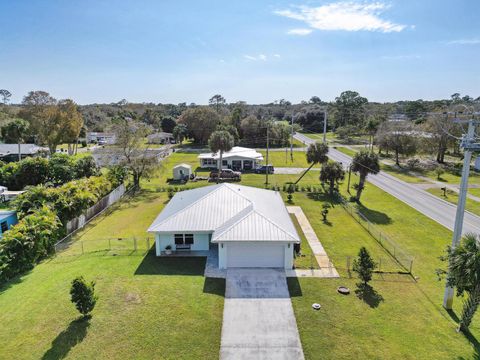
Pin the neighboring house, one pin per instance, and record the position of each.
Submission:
(161, 138)
(249, 226)
(182, 171)
(7, 195)
(102, 138)
(477, 163)
(9, 152)
(7, 220)
(239, 158)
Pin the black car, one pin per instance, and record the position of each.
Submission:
(264, 168)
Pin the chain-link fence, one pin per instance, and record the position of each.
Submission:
(120, 246)
(403, 259)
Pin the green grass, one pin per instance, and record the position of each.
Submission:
(280, 159)
(306, 259)
(409, 322)
(474, 192)
(147, 305)
(346, 151)
(452, 197)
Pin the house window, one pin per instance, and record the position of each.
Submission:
(209, 162)
(4, 226)
(224, 162)
(183, 239)
(189, 239)
(178, 239)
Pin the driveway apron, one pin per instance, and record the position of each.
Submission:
(258, 318)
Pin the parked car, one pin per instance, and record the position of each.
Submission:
(264, 168)
(226, 174)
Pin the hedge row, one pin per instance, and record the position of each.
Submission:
(28, 242)
(67, 201)
(59, 169)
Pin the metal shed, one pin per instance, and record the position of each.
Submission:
(182, 171)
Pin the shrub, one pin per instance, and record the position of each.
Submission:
(60, 169)
(83, 295)
(413, 164)
(439, 171)
(68, 200)
(28, 242)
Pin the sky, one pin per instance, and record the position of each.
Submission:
(257, 51)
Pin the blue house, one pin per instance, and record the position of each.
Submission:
(7, 220)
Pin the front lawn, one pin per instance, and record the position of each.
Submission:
(146, 305)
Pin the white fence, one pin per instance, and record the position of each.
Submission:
(80, 221)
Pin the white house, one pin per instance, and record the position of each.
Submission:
(250, 226)
(239, 158)
(182, 171)
(101, 137)
(160, 138)
(477, 163)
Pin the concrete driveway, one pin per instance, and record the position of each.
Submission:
(258, 318)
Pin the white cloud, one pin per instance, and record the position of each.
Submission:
(344, 15)
(277, 56)
(259, 57)
(464, 42)
(299, 31)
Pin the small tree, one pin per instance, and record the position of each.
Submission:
(332, 172)
(16, 132)
(364, 265)
(464, 274)
(364, 163)
(220, 141)
(325, 207)
(439, 172)
(83, 295)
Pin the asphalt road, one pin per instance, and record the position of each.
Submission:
(435, 208)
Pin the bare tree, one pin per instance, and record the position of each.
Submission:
(133, 150)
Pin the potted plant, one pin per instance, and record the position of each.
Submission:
(168, 250)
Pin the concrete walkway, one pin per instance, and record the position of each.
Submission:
(317, 248)
(258, 318)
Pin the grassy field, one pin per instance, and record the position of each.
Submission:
(451, 196)
(305, 260)
(147, 305)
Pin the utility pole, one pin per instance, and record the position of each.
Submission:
(291, 142)
(349, 174)
(267, 170)
(325, 127)
(468, 145)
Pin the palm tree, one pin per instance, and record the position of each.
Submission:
(332, 172)
(316, 154)
(220, 141)
(464, 274)
(364, 162)
(371, 128)
(16, 132)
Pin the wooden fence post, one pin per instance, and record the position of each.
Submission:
(135, 243)
(148, 244)
(81, 242)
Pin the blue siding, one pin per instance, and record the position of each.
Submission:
(8, 217)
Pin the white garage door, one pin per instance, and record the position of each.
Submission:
(255, 255)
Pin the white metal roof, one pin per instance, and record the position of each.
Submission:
(237, 151)
(183, 165)
(230, 212)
